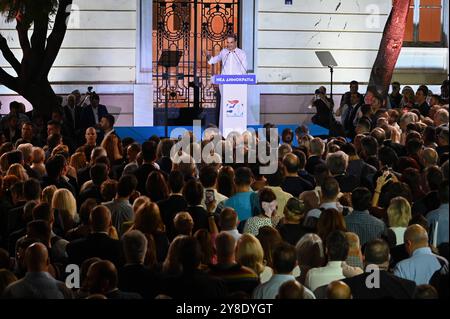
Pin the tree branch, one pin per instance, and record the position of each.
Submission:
(9, 55)
(56, 37)
(22, 32)
(9, 81)
(39, 34)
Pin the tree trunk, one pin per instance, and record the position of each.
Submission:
(42, 98)
(390, 47)
(39, 54)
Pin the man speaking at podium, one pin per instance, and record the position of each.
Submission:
(234, 62)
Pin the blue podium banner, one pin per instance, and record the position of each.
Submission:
(249, 79)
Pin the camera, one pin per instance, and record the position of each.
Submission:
(89, 91)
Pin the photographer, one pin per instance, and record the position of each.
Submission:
(91, 114)
(324, 113)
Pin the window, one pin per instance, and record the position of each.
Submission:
(424, 26)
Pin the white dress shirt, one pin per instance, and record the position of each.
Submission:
(318, 277)
(233, 62)
(269, 290)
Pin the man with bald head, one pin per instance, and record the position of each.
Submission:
(338, 290)
(293, 183)
(236, 277)
(37, 283)
(422, 263)
(102, 279)
(291, 290)
(97, 243)
(90, 137)
(376, 263)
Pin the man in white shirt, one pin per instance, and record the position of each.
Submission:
(336, 269)
(233, 59)
(234, 62)
(284, 262)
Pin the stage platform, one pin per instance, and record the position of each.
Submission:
(141, 134)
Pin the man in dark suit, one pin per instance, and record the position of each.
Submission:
(102, 279)
(193, 193)
(148, 164)
(134, 276)
(54, 167)
(98, 174)
(317, 148)
(421, 101)
(72, 117)
(98, 243)
(31, 190)
(294, 184)
(337, 163)
(174, 204)
(385, 284)
(91, 114)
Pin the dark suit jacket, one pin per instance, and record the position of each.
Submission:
(296, 185)
(200, 217)
(347, 183)
(139, 279)
(424, 108)
(165, 164)
(391, 287)
(73, 124)
(142, 174)
(88, 118)
(196, 285)
(312, 162)
(95, 245)
(59, 183)
(15, 217)
(117, 294)
(169, 208)
(426, 204)
(91, 192)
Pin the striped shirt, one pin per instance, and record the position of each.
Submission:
(366, 226)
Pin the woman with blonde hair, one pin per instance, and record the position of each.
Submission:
(18, 171)
(65, 209)
(138, 202)
(172, 265)
(399, 215)
(148, 221)
(250, 253)
(47, 194)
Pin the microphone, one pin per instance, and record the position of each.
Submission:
(243, 67)
(226, 59)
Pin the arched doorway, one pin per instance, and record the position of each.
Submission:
(190, 26)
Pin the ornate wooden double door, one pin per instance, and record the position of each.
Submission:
(192, 27)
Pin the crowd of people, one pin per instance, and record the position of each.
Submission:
(360, 214)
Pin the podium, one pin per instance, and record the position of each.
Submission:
(234, 105)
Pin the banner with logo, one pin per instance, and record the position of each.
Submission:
(234, 105)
